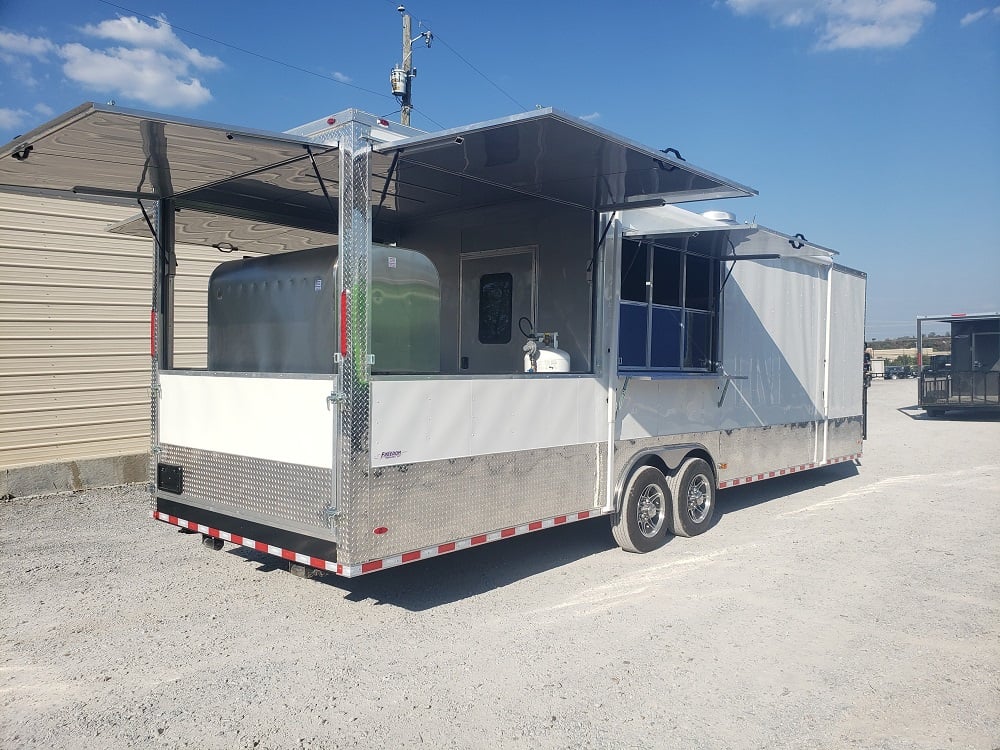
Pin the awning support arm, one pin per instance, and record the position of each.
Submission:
(385, 187)
(322, 183)
(734, 257)
(597, 247)
(170, 268)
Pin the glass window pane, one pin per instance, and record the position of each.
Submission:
(633, 271)
(666, 343)
(698, 341)
(632, 335)
(496, 292)
(698, 292)
(666, 277)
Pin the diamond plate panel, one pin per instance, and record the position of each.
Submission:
(154, 396)
(353, 490)
(283, 495)
(438, 501)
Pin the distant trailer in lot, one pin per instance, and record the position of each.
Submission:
(419, 343)
(970, 378)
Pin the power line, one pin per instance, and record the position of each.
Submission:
(428, 117)
(247, 51)
(493, 83)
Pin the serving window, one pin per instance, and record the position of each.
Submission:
(668, 313)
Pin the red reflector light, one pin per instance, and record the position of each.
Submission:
(331, 120)
(381, 530)
(383, 123)
(343, 323)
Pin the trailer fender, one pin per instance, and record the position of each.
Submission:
(667, 458)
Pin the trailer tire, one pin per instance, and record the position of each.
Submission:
(693, 489)
(643, 520)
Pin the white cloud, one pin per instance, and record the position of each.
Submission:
(150, 63)
(20, 53)
(143, 74)
(44, 109)
(12, 118)
(24, 45)
(591, 117)
(131, 31)
(338, 76)
(979, 15)
(845, 24)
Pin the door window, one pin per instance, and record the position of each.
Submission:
(496, 295)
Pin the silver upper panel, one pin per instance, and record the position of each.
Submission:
(268, 178)
(755, 239)
(671, 222)
(101, 149)
(544, 153)
(662, 221)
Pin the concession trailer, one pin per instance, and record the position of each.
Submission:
(967, 379)
(419, 343)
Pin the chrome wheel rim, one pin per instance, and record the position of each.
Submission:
(649, 511)
(699, 498)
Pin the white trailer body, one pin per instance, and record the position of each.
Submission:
(701, 354)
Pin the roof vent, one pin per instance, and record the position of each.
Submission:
(724, 216)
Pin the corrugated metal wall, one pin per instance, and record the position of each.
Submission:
(74, 330)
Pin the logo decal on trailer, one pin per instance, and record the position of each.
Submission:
(391, 454)
(318, 285)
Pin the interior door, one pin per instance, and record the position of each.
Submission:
(498, 289)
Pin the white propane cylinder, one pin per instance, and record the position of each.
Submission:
(550, 359)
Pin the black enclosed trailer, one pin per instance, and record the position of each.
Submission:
(970, 377)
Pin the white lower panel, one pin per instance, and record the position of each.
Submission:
(281, 419)
(668, 407)
(429, 420)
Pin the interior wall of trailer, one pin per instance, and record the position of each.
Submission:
(563, 239)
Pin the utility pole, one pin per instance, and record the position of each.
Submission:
(402, 76)
(407, 101)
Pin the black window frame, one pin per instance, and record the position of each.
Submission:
(682, 313)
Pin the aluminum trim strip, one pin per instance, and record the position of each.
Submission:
(787, 470)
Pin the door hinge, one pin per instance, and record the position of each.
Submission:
(335, 398)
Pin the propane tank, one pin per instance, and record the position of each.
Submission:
(542, 354)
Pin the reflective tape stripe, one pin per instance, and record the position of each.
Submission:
(349, 571)
(787, 470)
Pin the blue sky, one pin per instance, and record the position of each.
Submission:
(870, 126)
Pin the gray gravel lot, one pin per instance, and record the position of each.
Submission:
(856, 607)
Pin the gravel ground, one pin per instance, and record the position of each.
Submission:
(856, 607)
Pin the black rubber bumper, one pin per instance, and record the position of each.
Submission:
(289, 540)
